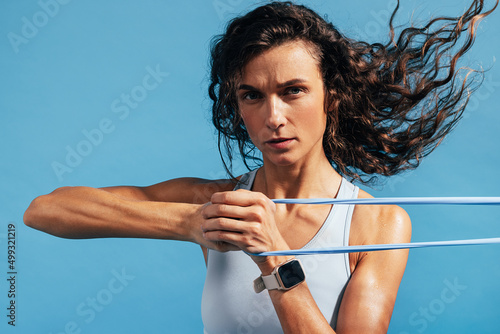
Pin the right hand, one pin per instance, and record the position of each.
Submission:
(198, 237)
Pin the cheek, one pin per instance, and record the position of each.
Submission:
(244, 119)
(243, 116)
(250, 123)
(314, 117)
(250, 116)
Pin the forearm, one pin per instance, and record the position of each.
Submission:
(82, 212)
(296, 308)
(298, 312)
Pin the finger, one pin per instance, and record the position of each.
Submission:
(222, 236)
(235, 239)
(224, 210)
(228, 225)
(240, 197)
(238, 240)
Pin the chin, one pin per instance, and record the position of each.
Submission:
(281, 161)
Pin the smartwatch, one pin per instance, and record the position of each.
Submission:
(285, 276)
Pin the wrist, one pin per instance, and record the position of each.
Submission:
(285, 276)
(267, 266)
(268, 263)
(192, 224)
(181, 221)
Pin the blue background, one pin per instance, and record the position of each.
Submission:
(63, 78)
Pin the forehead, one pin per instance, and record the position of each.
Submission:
(296, 59)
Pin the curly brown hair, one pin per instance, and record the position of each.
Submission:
(388, 105)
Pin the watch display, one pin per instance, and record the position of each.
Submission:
(291, 274)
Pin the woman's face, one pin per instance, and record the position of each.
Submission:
(281, 101)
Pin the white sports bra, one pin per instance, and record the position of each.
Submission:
(229, 303)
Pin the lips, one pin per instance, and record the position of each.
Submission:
(278, 140)
(279, 143)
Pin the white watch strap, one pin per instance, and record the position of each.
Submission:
(258, 285)
(262, 283)
(271, 282)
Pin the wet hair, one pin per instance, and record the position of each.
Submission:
(388, 105)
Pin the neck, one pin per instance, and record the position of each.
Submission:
(304, 181)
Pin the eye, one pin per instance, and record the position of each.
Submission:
(250, 96)
(294, 90)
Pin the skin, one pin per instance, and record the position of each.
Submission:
(281, 95)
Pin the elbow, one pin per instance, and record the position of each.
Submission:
(33, 216)
(40, 213)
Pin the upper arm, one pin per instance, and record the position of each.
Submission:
(370, 295)
(181, 190)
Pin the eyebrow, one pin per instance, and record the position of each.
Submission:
(280, 85)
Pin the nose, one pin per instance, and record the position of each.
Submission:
(275, 113)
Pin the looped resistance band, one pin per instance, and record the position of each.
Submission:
(388, 200)
(394, 200)
(381, 247)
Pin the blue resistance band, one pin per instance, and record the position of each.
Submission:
(381, 247)
(393, 200)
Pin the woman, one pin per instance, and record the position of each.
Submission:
(320, 108)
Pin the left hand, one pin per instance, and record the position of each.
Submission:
(243, 220)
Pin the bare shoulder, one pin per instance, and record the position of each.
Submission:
(378, 224)
(180, 190)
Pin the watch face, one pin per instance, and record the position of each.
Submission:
(291, 274)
